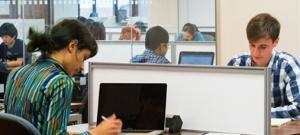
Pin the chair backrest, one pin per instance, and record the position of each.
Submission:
(208, 37)
(15, 125)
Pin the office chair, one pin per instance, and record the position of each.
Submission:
(208, 37)
(15, 125)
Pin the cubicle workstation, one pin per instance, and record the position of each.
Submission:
(123, 51)
(118, 51)
(208, 98)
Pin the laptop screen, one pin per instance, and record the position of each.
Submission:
(200, 58)
(140, 106)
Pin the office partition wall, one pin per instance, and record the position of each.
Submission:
(208, 98)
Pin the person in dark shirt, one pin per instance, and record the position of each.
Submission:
(11, 48)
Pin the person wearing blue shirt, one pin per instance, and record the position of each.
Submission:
(190, 33)
(156, 43)
(263, 36)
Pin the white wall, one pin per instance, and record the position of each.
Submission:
(65, 9)
(233, 16)
(199, 12)
(143, 4)
(164, 13)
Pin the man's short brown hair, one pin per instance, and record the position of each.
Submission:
(263, 26)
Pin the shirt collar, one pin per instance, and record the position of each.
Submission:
(55, 62)
(272, 59)
(148, 51)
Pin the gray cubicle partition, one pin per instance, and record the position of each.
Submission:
(208, 98)
(115, 35)
(122, 51)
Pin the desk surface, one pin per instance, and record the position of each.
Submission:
(292, 127)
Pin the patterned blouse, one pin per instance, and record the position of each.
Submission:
(41, 93)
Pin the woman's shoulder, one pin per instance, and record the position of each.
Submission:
(198, 36)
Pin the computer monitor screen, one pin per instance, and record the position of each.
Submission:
(199, 58)
(140, 106)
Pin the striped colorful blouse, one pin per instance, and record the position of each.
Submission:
(41, 93)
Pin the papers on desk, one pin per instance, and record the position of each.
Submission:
(220, 134)
(76, 129)
(276, 122)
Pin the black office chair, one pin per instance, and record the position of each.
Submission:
(15, 125)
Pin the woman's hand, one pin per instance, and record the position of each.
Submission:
(110, 126)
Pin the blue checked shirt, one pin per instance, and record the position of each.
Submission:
(149, 57)
(285, 85)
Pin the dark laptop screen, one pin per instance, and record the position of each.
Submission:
(140, 106)
(200, 58)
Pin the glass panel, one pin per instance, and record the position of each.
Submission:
(12, 37)
(106, 20)
(200, 13)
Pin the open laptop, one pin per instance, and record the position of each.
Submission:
(199, 58)
(140, 106)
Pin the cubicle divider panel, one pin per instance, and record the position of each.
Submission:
(208, 98)
(116, 35)
(118, 51)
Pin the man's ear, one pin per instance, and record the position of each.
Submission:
(159, 50)
(72, 45)
(276, 42)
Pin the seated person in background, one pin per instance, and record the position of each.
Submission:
(141, 25)
(190, 32)
(98, 30)
(80, 94)
(41, 92)
(3, 75)
(3, 64)
(156, 44)
(263, 36)
(11, 48)
(130, 32)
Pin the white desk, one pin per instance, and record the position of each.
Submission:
(78, 128)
